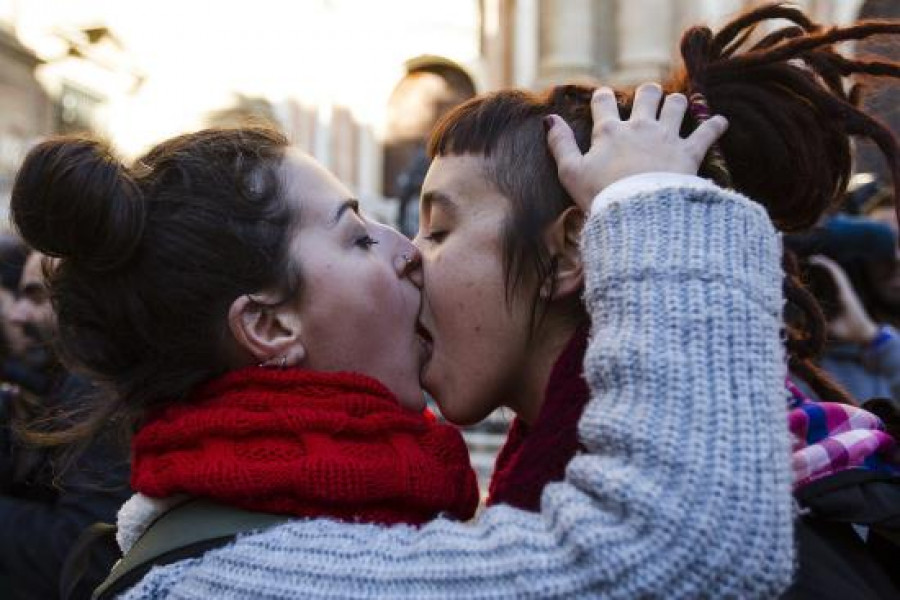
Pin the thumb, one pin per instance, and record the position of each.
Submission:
(565, 151)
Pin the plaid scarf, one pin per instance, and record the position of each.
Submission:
(829, 438)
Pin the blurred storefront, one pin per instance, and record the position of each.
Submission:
(357, 84)
(25, 109)
(63, 82)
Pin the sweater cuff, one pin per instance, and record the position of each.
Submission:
(644, 182)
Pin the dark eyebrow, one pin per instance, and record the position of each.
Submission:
(434, 197)
(349, 204)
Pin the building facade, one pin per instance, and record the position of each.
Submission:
(357, 84)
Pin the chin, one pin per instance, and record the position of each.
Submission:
(461, 409)
(459, 414)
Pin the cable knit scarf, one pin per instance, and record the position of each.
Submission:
(534, 456)
(309, 444)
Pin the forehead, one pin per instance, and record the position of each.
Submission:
(465, 180)
(311, 187)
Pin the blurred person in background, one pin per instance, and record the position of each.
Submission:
(13, 342)
(863, 355)
(853, 268)
(31, 366)
(12, 345)
(46, 505)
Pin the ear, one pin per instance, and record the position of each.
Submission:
(268, 332)
(562, 238)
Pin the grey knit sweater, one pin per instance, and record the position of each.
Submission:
(684, 486)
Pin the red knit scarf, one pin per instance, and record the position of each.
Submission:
(309, 444)
(534, 456)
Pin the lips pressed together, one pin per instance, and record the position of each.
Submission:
(426, 340)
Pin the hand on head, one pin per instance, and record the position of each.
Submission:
(647, 142)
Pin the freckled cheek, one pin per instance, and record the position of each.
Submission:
(448, 288)
(462, 308)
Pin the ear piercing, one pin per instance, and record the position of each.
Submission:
(268, 363)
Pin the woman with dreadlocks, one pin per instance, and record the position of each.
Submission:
(787, 147)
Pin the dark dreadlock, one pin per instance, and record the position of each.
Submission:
(788, 146)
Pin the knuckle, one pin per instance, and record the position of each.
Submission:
(642, 123)
(606, 127)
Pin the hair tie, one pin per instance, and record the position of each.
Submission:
(699, 109)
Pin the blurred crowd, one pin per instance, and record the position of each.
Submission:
(849, 263)
(46, 505)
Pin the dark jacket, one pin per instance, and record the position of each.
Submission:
(43, 511)
(849, 537)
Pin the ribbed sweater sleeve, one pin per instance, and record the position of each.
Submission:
(684, 487)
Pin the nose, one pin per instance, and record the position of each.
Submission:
(406, 258)
(18, 312)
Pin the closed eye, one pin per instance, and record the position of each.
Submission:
(435, 237)
(365, 242)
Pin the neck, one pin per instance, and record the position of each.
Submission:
(548, 342)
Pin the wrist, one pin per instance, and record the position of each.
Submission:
(646, 182)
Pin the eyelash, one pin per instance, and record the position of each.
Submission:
(436, 237)
(365, 242)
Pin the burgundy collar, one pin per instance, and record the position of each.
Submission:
(537, 455)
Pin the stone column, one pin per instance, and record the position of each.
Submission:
(646, 41)
(566, 41)
(526, 46)
(322, 139)
(369, 163)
